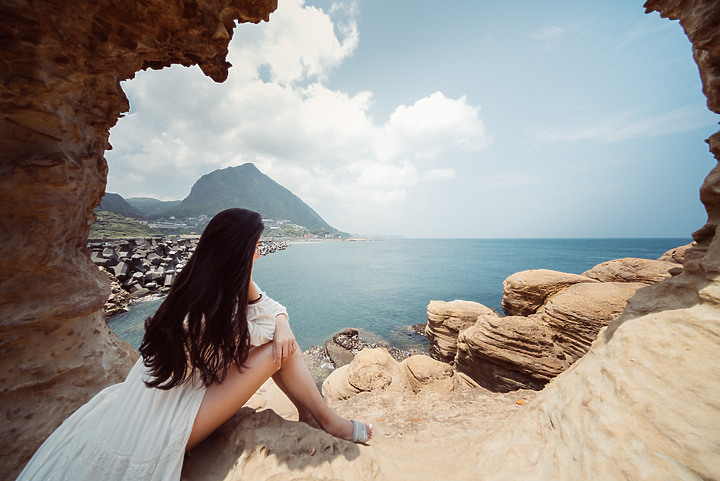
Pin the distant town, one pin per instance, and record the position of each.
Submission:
(273, 228)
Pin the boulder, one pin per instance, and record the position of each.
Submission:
(338, 354)
(508, 353)
(631, 269)
(446, 320)
(154, 259)
(577, 314)
(524, 292)
(677, 254)
(371, 369)
(424, 372)
(374, 370)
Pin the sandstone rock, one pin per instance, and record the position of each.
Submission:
(371, 369)
(524, 292)
(677, 254)
(517, 352)
(119, 298)
(423, 372)
(577, 314)
(446, 320)
(508, 353)
(641, 405)
(375, 370)
(631, 269)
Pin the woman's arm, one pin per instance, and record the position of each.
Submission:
(284, 343)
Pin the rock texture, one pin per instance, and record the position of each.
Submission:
(513, 352)
(642, 404)
(524, 292)
(59, 96)
(630, 269)
(119, 298)
(376, 370)
(445, 321)
(552, 318)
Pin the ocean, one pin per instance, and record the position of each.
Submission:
(384, 286)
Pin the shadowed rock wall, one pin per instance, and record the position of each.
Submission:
(62, 64)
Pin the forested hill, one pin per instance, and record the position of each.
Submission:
(245, 186)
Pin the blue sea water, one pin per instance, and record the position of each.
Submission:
(385, 286)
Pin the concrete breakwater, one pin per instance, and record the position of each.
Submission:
(150, 265)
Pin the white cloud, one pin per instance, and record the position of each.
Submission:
(431, 126)
(298, 44)
(276, 111)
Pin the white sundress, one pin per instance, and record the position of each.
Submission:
(129, 431)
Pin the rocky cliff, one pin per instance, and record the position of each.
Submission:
(62, 64)
(642, 404)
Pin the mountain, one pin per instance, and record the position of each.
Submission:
(116, 204)
(245, 186)
(150, 207)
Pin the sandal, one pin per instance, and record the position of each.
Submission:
(360, 433)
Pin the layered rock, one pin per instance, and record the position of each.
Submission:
(513, 352)
(577, 314)
(445, 321)
(524, 292)
(60, 95)
(507, 353)
(630, 269)
(642, 404)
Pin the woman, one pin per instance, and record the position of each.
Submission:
(212, 343)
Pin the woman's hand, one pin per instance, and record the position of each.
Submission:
(284, 343)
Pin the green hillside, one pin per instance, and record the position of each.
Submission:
(245, 186)
(115, 203)
(113, 226)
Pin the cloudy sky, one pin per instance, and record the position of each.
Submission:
(441, 119)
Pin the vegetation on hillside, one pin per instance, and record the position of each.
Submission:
(245, 186)
(113, 226)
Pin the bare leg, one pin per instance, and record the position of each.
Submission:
(304, 415)
(300, 385)
(221, 401)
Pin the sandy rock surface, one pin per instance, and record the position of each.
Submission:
(525, 292)
(630, 269)
(446, 320)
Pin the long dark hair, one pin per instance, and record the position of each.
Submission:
(201, 326)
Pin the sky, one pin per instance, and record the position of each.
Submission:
(455, 119)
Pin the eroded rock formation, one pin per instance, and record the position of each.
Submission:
(446, 320)
(62, 64)
(642, 404)
(552, 318)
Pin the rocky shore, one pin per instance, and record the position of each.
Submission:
(551, 319)
(139, 267)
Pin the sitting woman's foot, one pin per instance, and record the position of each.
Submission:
(354, 431)
(361, 432)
